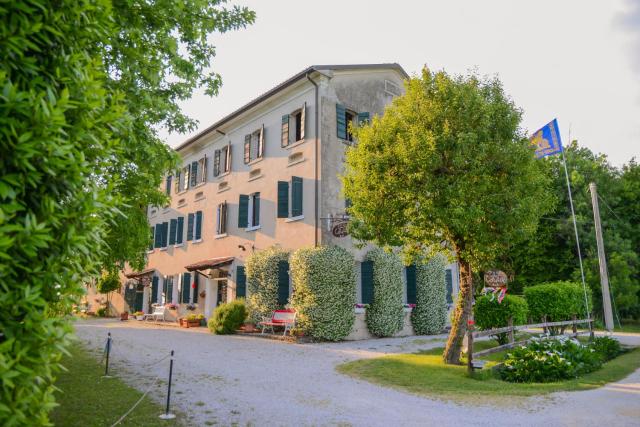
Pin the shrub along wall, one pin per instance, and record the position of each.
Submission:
(557, 301)
(325, 291)
(385, 315)
(268, 282)
(489, 313)
(430, 313)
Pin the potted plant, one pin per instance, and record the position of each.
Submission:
(360, 308)
(124, 315)
(249, 326)
(172, 306)
(190, 321)
(139, 315)
(203, 321)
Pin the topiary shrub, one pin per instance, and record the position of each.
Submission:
(262, 281)
(489, 313)
(430, 313)
(324, 286)
(385, 314)
(227, 318)
(557, 301)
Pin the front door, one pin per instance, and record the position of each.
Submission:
(137, 306)
(222, 292)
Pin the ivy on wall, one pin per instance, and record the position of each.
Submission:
(324, 295)
(262, 281)
(430, 313)
(385, 315)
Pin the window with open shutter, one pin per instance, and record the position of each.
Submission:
(177, 183)
(190, 224)
(194, 174)
(241, 282)
(202, 165)
(152, 229)
(173, 230)
(411, 284)
(216, 163)
(165, 234)
(261, 143)
(254, 207)
(366, 276)
(247, 148)
(283, 283)
(243, 211)
(296, 196)
(180, 230)
(198, 233)
(186, 288)
(284, 141)
(448, 277)
(185, 180)
(168, 185)
(169, 295)
(157, 243)
(165, 289)
(154, 289)
(303, 114)
(226, 151)
(341, 120)
(221, 223)
(363, 119)
(283, 199)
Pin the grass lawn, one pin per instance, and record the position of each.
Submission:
(86, 399)
(426, 374)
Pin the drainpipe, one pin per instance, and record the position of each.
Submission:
(317, 131)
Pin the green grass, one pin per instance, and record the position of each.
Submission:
(426, 374)
(86, 399)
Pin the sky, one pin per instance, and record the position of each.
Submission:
(577, 61)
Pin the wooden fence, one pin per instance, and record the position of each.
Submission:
(510, 331)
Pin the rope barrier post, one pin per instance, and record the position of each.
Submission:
(167, 415)
(108, 351)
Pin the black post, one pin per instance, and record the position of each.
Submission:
(106, 366)
(169, 389)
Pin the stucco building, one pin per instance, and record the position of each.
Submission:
(266, 174)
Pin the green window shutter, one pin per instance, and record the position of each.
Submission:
(411, 284)
(366, 276)
(154, 289)
(196, 282)
(216, 163)
(168, 186)
(173, 228)
(448, 277)
(157, 243)
(341, 120)
(194, 173)
(256, 209)
(190, 223)
(241, 282)
(363, 118)
(180, 230)
(152, 238)
(296, 196)
(170, 290)
(247, 148)
(165, 234)
(283, 282)
(198, 225)
(285, 131)
(283, 199)
(243, 211)
(186, 287)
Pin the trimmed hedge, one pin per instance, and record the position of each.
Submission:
(227, 318)
(325, 291)
(385, 315)
(430, 313)
(489, 313)
(557, 301)
(262, 281)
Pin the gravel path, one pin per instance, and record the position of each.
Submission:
(240, 380)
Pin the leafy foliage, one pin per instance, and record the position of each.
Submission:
(79, 107)
(607, 347)
(324, 291)
(489, 313)
(447, 162)
(262, 281)
(385, 314)
(429, 316)
(108, 283)
(557, 301)
(228, 317)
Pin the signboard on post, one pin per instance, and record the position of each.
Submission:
(495, 279)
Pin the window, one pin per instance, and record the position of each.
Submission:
(183, 182)
(254, 210)
(241, 282)
(249, 211)
(410, 272)
(366, 282)
(167, 290)
(346, 119)
(185, 290)
(221, 224)
(293, 125)
(180, 231)
(173, 231)
(222, 160)
(155, 295)
(283, 283)
(254, 145)
(295, 195)
(161, 235)
(168, 185)
(194, 226)
(202, 168)
(448, 277)
(349, 116)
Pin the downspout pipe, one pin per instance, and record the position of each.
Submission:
(317, 131)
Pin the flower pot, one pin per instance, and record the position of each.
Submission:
(124, 316)
(249, 327)
(140, 317)
(184, 323)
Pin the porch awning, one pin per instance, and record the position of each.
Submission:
(209, 263)
(140, 274)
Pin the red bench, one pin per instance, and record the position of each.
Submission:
(284, 318)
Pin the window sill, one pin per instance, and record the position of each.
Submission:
(295, 218)
(150, 251)
(222, 175)
(200, 184)
(220, 236)
(224, 189)
(295, 144)
(200, 198)
(254, 161)
(178, 245)
(295, 162)
(196, 241)
(182, 205)
(347, 142)
(181, 192)
(255, 177)
(163, 249)
(253, 228)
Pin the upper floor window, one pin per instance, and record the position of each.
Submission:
(167, 188)
(254, 145)
(346, 120)
(191, 175)
(291, 193)
(249, 211)
(222, 160)
(293, 126)
(221, 224)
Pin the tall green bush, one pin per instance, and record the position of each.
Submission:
(489, 313)
(324, 286)
(385, 315)
(227, 318)
(557, 301)
(430, 313)
(262, 281)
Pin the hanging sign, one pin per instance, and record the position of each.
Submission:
(495, 279)
(339, 228)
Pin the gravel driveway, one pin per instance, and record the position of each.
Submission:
(228, 380)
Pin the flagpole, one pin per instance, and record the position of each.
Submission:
(575, 229)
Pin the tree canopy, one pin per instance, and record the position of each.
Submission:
(447, 164)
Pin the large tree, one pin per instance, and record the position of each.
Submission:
(84, 86)
(447, 164)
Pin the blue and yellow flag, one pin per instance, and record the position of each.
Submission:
(547, 140)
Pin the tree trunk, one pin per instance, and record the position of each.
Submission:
(461, 315)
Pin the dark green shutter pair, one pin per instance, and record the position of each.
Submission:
(154, 289)
(296, 198)
(194, 226)
(243, 211)
(411, 284)
(366, 277)
(241, 282)
(283, 283)
(341, 120)
(186, 286)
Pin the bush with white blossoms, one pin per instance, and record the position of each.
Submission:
(262, 281)
(385, 316)
(324, 286)
(430, 313)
